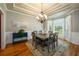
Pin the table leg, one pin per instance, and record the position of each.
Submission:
(42, 45)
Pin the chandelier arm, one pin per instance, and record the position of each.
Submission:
(42, 17)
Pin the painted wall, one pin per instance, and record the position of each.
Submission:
(75, 27)
(16, 21)
(75, 21)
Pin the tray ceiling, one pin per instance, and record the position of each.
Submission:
(34, 9)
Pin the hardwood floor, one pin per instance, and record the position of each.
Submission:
(20, 49)
(74, 50)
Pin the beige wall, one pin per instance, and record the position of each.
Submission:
(75, 27)
(16, 21)
(75, 21)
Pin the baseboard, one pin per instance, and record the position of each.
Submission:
(16, 42)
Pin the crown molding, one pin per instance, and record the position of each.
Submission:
(58, 9)
(17, 9)
(32, 8)
(63, 14)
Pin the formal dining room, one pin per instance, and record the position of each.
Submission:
(39, 29)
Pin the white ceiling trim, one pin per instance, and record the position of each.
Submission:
(63, 14)
(33, 8)
(17, 8)
(52, 8)
(58, 9)
(14, 11)
(26, 7)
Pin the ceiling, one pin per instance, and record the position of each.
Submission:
(34, 9)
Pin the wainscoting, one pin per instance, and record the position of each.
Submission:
(75, 38)
(9, 37)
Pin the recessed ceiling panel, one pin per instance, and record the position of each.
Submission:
(39, 5)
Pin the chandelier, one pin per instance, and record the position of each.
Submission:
(42, 17)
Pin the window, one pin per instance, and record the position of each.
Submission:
(62, 26)
(58, 26)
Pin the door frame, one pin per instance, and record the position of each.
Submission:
(3, 40)
(0, 30)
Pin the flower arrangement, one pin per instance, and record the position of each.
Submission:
(21, 32)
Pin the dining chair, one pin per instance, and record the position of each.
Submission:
(55, 39)
(35, 40)
(52, 40)
(49, 42)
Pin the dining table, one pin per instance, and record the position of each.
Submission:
(43, 38)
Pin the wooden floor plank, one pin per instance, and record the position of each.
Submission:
(17, 49)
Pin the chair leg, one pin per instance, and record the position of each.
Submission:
(48, 49)
(35, 46)
(33, 43)
(53, 46)
(57, 43)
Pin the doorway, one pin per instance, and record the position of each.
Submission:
(0, 30)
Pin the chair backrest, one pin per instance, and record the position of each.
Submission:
(56, 36)
(40, 32)
(33, 35)
(35, 32)
(50, 32)
(51, 37)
